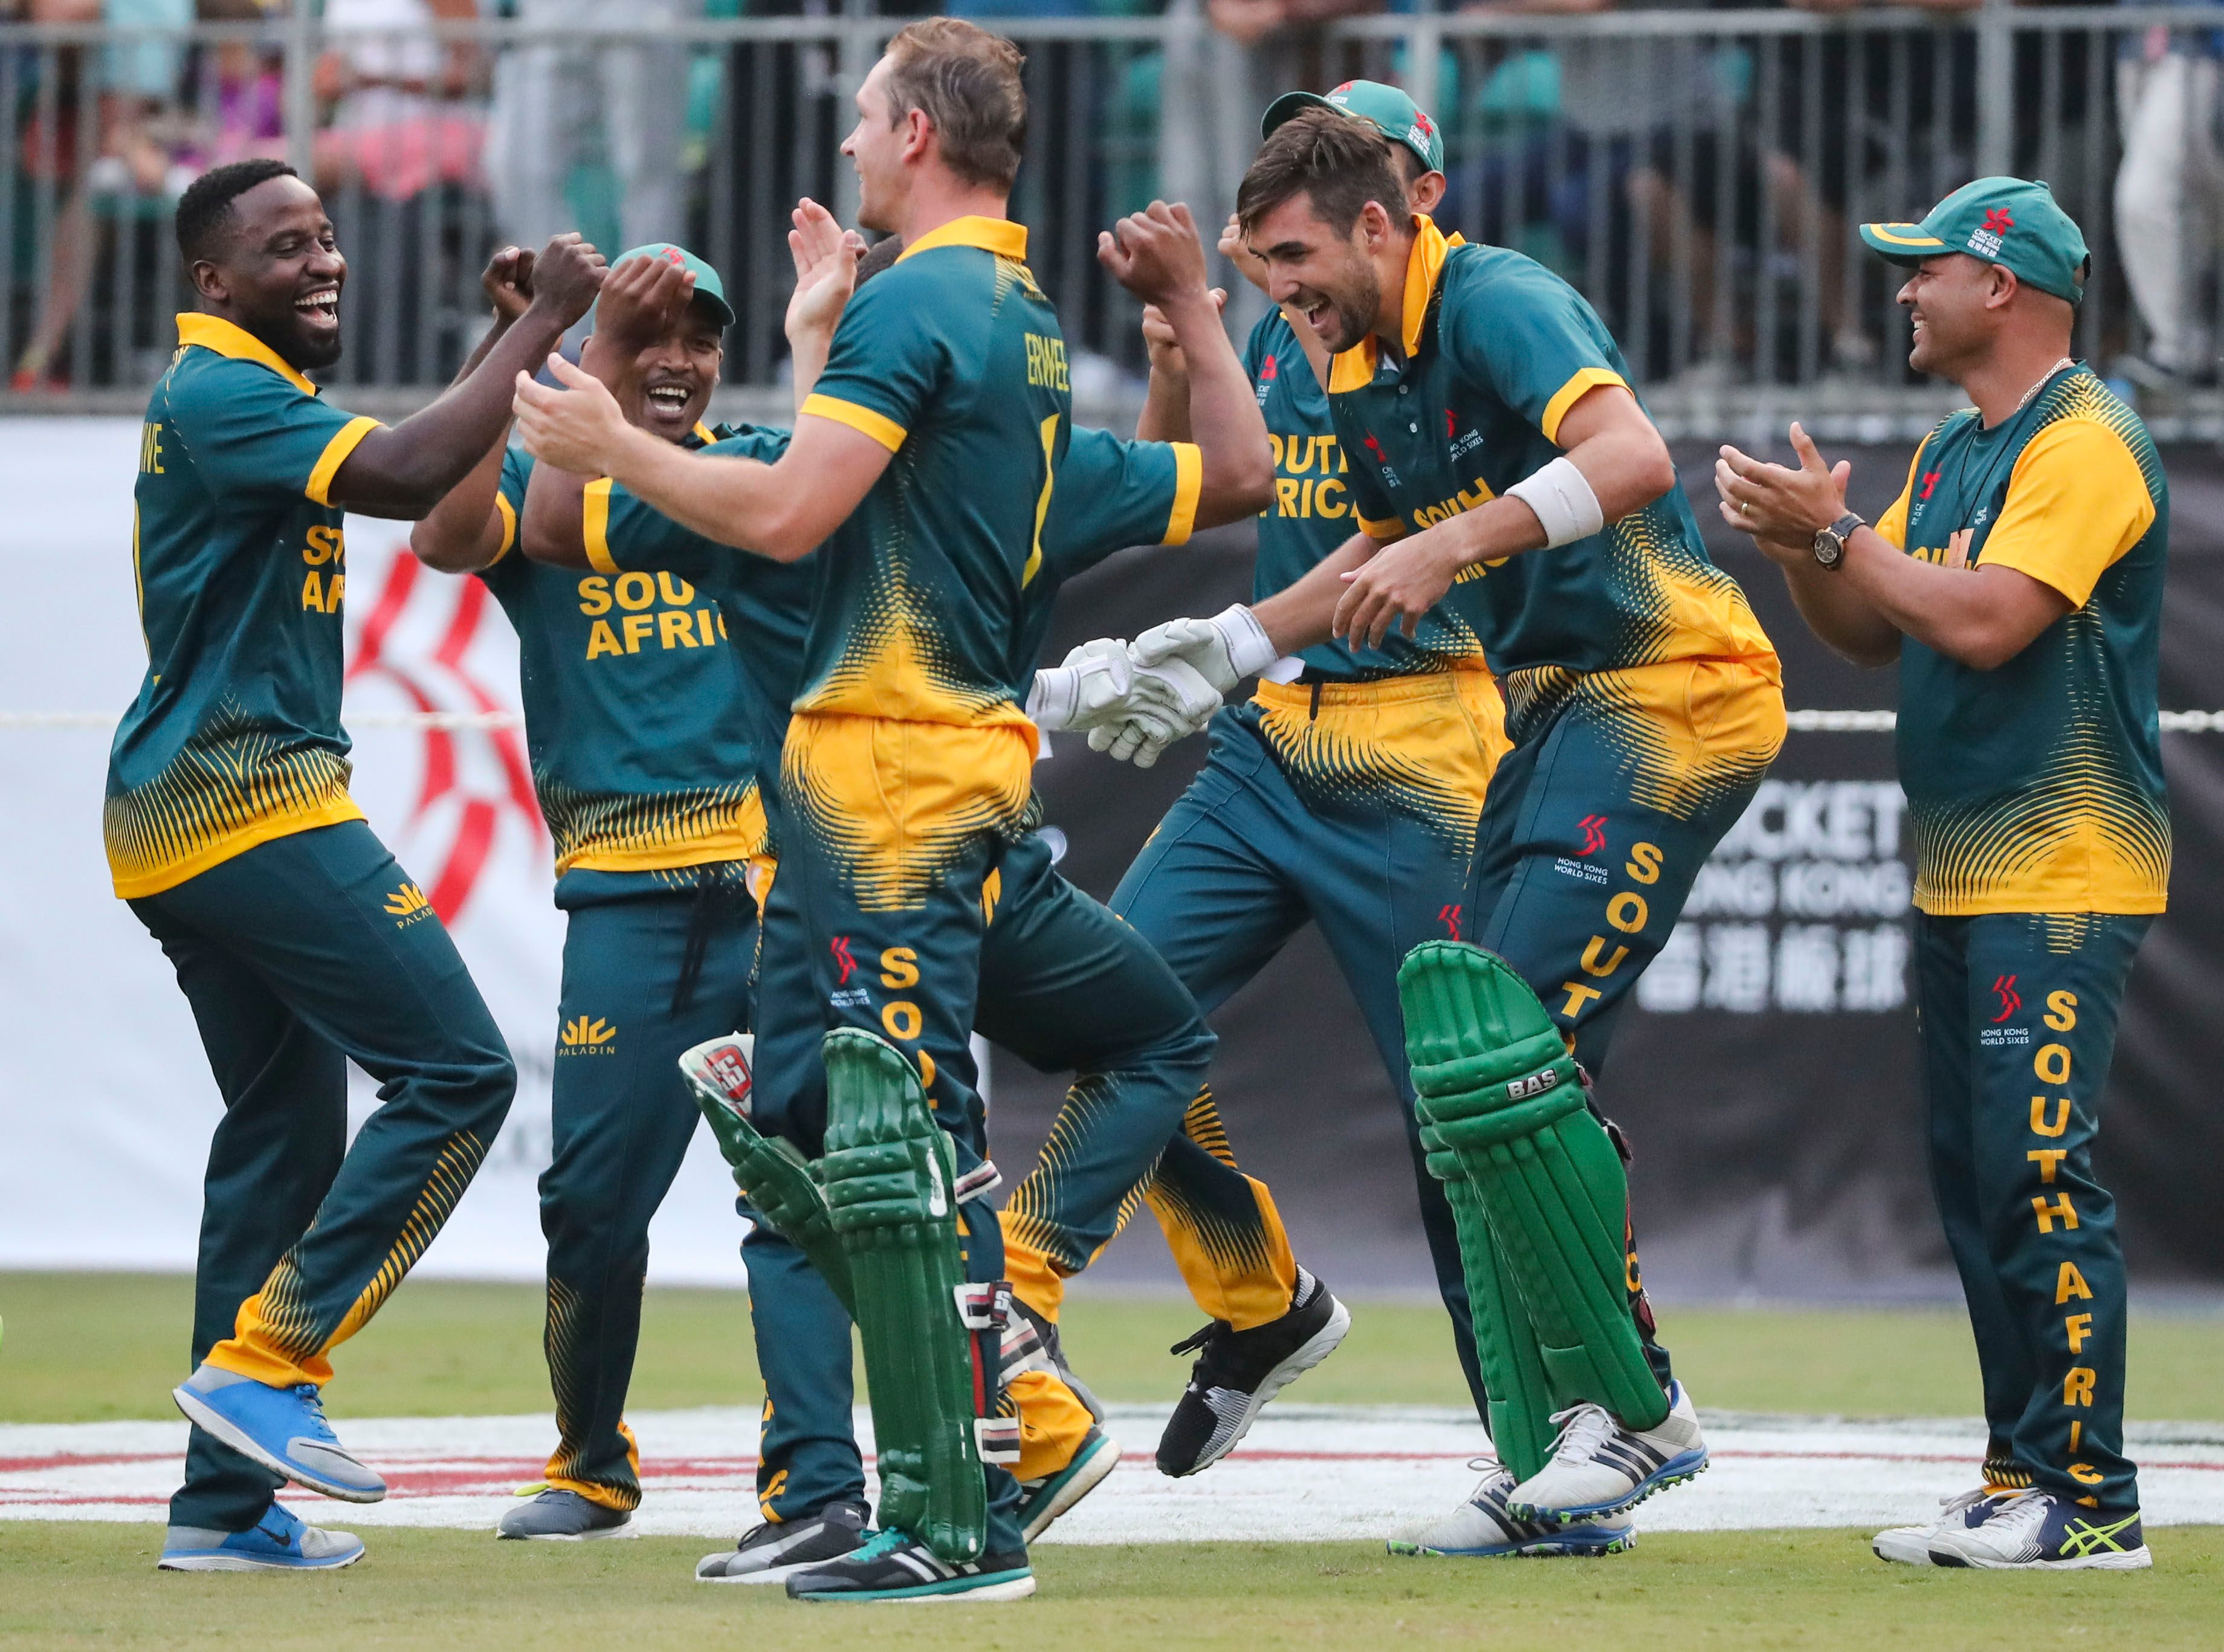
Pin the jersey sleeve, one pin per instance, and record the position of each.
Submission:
(890, 359)
(249, 432)
(1892, 524)
(2077, 500)
(1110, 493)
(1529, 336)
(509, 498)
(623, 532)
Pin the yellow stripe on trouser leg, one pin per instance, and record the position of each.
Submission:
(1035, 1279)
(610, 1497)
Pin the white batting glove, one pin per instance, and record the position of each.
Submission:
(1225, 649)
(1165, 702)
(1090, 687)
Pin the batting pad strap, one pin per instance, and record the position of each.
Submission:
(978, 1182)
(997, 1440)
(1564, 502)
(984, 1306)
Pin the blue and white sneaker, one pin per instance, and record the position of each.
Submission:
(280, 1542)
(895, 1565)
(1043, 1501)
(2040, 1531)
(1599, 1467)
(1480, 1528)
(1911, 1545)
(282, 1429)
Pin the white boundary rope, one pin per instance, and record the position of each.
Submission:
(1807, 721)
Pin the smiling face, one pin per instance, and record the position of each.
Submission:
(876, 147)
(278, 273)
(677, 375)
(1329, 279)
(1950, 300)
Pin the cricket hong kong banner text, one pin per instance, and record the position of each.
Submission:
(105, 1099)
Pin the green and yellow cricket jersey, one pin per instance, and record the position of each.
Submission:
(952, 359)
(235, 738)
(637, 717)
(2038, 786)
(1312, 516)
(1497, 350)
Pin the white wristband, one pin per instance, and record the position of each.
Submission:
(1248, 650)
(1564, 502)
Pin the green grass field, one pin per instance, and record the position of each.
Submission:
(86, 1347)
(87, 1585)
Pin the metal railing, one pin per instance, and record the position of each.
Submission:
(1697, 175)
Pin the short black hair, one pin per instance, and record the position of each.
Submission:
(879, 256)
(205, 207)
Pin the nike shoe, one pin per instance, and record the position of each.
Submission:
(282, 1429)
(560, 1516)
(1911, 1545)
(1043, 1501)
(894, 1565)
(776, 1550)
(2041, 1531)
(1237, 1372)
(280, 1542)
(1599, 1467)
(1481, 1529)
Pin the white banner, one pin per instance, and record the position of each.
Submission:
(106, 1104)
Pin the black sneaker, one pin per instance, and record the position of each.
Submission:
(894, 1566)
(1238, 1372)
(777, 1550)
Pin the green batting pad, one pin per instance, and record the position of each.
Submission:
(774, 1178)
(1503, 1097)
(888, 1174)
(1521, 1398)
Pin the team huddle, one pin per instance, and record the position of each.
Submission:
(783, 700)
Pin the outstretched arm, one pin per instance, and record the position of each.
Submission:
(464, 531)
(404, 470)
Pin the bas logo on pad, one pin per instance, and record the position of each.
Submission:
(1522, 1089)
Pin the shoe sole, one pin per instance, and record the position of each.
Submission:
(1309, 1354)
(1913, 1550)
(626, 1530)
(210, 1420)
(1676, 1470)
(953, 1593)
(248, 1563)
(780, 1573)
(2137, 1559)
(1538, 1551)
(1085, 1477)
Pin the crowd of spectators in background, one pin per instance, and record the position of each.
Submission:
(1716, 166)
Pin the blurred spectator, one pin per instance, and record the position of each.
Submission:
(136, 128)
(2169, 197)
(401, 117)
(548, 98)
(245, 92)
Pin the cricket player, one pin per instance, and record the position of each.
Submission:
(298, 942)
(942, 418)
(1346, 792)
(640, 726)
(1502, 467)
(2018, 580)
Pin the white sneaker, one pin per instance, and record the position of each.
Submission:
(1599, 1467)
(1911, 1545)
(2037, 1530)
(1481, 1527)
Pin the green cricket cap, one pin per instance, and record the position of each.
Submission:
(708, 287)
(1402, 120)
(2008, 221)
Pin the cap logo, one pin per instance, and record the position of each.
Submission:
(1998, 220)
(1986, 242)
(672, 255)
(1423, 128)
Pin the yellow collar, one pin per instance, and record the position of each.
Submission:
(229, 339)
(1000, 235)
(1355, 367)
(704, 434)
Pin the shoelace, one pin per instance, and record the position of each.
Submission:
(311, 1398)
(1588, 1427)
(1197, 1341)
(877, 1544)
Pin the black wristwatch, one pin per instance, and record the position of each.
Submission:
(1830, 542)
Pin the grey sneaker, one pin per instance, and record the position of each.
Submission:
(1481, 1527)
(1599, 1468)
(565, 1517)
(774, 1551)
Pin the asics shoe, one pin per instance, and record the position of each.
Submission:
(2040, 1531)
(561, 1516)
(282, 1429)
(1480, 1528)
(776, 1550)
(280, 1542)
(1599, 1467)
(1043, 1501)
(1237, 1372)
(894, 1566)
(1911, 1545)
